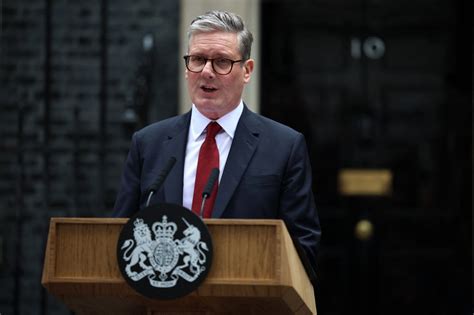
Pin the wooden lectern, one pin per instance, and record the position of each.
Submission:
(255, 270)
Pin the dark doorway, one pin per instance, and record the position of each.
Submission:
(379, 90)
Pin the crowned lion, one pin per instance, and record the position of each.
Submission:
(144, 247)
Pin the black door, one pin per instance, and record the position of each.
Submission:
(377, 88)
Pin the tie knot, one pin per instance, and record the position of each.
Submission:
(212, 129)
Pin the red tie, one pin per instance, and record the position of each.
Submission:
(208, 159)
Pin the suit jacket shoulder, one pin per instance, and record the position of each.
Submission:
(268, 127)
(162, 130)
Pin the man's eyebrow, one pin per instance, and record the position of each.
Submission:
(216, 56)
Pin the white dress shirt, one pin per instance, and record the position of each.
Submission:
(196, 137)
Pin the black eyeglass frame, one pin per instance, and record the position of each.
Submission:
(186, 62)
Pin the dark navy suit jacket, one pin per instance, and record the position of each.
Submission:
(267, 175)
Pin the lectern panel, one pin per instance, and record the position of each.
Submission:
(85, 250)
(242, 253)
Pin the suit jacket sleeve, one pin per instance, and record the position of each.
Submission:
(128, 198)
(297, 206)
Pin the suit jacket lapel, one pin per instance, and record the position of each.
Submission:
(175, 146)
(243, 146)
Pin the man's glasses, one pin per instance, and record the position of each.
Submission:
(222, 66)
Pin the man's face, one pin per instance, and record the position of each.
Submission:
(214, 94)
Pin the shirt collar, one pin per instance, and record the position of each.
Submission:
(228, 122)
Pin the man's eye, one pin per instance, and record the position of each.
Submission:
(222, 62)
(197, 59)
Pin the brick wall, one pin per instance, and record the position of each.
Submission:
(70, 71)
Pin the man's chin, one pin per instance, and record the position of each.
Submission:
(207, 104)
(208, 109)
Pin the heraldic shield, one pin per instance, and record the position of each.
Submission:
(164, 251)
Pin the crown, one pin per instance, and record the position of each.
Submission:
(139, 224)
(164, 229)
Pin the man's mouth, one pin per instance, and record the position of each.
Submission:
(208, 89)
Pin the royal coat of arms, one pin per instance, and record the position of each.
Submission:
(155, 253)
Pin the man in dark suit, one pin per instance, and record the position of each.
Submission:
(265, 171)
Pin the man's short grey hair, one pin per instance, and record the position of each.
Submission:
(223, 21)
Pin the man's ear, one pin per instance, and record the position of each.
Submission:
(248, 69)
